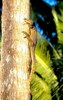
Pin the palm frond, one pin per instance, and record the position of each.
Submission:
(44, 75)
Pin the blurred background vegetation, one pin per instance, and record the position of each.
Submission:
(47, 83)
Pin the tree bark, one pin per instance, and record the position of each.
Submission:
(15, 58)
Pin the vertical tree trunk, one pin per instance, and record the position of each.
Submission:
(15, 56)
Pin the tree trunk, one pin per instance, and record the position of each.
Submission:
(15, 58)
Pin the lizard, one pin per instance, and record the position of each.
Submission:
(32, 40)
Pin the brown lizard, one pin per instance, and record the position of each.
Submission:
(32, 39)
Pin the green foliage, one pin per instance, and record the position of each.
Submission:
(48, 78)
(57, 64)
(40, 89)
(44, 79)
(59, 24)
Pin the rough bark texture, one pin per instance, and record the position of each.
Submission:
(15, 58)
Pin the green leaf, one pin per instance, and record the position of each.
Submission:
(44, 80)
(58, 19)
(40, 90)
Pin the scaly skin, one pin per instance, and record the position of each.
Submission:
(32, 39)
